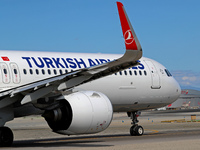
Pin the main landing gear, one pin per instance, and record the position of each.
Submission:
(6, 137)
(135, 129)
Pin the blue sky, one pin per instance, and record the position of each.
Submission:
(167, 30)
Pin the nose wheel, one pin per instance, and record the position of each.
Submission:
(135, 130)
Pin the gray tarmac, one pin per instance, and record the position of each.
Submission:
(32, 132)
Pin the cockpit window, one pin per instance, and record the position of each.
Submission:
(168, 73)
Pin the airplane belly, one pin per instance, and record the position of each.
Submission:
(128, 94)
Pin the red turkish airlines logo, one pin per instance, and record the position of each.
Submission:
(128, 37)
(5, 58)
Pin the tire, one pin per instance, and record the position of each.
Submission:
(6, 137)
(139, 130)
(132, 131)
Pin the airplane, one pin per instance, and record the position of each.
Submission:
(77, 93)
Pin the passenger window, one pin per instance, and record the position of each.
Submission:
(61, 71)
(43, 72)
(55, 72)
(140, 72)
(66, 71)
(31, 71)
(37, 71)
(49, 71)
(120, 73)
(125, 72)
(145, 73)
(25, 71)
(130, 72)
(135, 72)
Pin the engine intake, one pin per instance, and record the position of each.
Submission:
(83, 112)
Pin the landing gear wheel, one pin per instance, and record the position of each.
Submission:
(6, 137)
(136, 130)
(139, 130)
(132, 131)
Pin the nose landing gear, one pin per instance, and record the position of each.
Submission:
(135, 130)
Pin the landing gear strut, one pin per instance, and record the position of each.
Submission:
(135, 129)
(6, 137)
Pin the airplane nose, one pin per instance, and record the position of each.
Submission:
(177, 89)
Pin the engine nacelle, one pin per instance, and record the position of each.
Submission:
(83, 112)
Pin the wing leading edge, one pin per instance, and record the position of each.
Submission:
(33, 91)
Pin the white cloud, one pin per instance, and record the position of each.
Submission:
(187, 78)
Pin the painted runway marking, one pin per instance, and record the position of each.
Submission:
(153, 131)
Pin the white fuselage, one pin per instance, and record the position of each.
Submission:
(145, 86)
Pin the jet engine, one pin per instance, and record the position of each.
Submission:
(82, 112)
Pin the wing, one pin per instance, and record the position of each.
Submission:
(33, 91)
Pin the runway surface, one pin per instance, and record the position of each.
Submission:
(33, 132)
